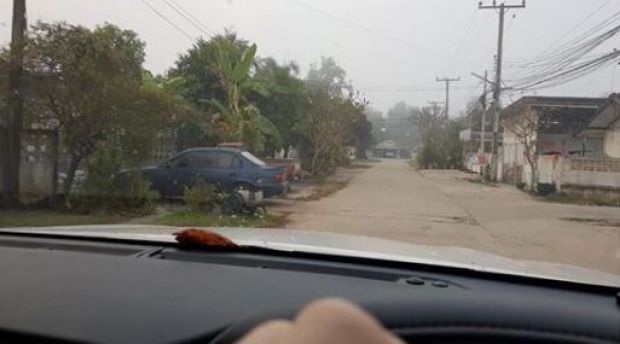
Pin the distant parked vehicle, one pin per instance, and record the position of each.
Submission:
(291, 166)
(227, 169)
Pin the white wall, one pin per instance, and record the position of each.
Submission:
(612, 140)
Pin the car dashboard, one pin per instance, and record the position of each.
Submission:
(104, 291)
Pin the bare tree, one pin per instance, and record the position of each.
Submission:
(524, 126)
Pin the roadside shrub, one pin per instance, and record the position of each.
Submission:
(201, 197)
(521, 186)
(107, 189)
(545, 189)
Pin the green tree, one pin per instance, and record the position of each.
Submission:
(399, 129)
(442, 147)
(154, 118)
(239, 119)
(329, 77)
(326, 129)
(287, 99)
(198, 68)
(82, 79)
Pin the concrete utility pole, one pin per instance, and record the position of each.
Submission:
(497, 89)
(15, 101)
(483, 102)
(448, 81)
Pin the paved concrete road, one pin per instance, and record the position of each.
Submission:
(393, 201)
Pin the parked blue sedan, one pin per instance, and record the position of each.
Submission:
(227, 169)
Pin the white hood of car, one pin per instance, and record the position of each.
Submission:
(350, 246)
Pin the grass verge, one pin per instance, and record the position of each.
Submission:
(42, 218)
(195, 219)
(480, 181)
(413, 163)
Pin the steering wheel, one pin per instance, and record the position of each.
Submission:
(459, 319)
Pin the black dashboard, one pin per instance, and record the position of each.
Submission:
(100, 291)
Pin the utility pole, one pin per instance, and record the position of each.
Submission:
(483, 102)
(497, 89)
(15, 102)
(448, 81)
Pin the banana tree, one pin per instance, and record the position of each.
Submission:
(238, 119)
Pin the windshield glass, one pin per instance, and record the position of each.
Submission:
(486, 128)
(253, 159)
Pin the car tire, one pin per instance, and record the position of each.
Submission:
(233, 205)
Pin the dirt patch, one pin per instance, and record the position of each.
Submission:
(324, 190)
(458, 219)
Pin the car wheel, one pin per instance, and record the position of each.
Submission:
(234, 204)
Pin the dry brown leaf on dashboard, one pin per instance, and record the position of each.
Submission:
(194, 238)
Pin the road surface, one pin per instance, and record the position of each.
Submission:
(393, 201)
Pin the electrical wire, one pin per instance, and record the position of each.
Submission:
(362, 27)
(465, 38)
(190, 18)
(162, 16)
(580, 23)
(559, 53)
(565, 63)
(572, 73)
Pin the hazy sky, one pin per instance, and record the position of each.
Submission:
(392, 50)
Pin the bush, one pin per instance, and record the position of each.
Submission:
(201, 197)
(521, 186)
(545, 189)
(106, 188)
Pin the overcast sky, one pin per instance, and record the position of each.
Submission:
(392, 50)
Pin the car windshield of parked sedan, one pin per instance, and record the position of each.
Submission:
(453, 129)
(253, 159)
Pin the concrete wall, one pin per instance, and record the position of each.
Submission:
(589, 172)
(38, 166)
(612, 140)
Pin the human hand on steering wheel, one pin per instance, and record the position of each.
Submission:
(324, 321)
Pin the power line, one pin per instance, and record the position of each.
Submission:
(362, 27)
(465, 37)
(183, 32)
(580, 23)
(573, 73)
(371, 31)
(570, 60)
(188, 17)
(565, 50)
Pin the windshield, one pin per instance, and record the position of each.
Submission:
(253, 159)
(463, 126)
